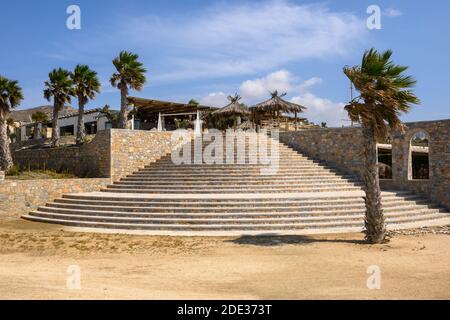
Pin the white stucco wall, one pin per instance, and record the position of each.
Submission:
(101, 121)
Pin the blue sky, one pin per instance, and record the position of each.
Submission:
(209, 49)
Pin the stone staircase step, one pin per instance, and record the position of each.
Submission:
(200, 220)
(211, 203)
(222, 227)
(258, 212)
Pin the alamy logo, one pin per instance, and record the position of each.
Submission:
(73, 22)
(374, 20)
(73, 281)
(374, 280)
(233, 147)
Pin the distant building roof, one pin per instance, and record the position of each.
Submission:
(74, 114)
(24, 116)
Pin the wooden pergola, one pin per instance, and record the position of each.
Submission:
(157, 110)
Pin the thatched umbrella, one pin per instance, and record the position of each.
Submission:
(276, 105)
(234, 108)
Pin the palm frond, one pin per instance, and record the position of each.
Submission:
(385, 91)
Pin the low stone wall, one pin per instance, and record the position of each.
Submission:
(18, 197)
(343, 147)
(112, 153)
(89, 160)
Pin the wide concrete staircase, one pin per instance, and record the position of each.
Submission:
(300, 196)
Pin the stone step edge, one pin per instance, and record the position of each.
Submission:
(226, 196)
(232, 204)
(238, 221)
(271, 227)
(345, 206)
(316, 213)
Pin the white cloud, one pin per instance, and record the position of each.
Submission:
(255, 90)
(215, 99)
(322, 109)
(392, 12)
(281, 80)
(228, 40)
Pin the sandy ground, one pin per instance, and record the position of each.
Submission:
(34, 259)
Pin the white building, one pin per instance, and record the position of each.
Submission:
(94, 121)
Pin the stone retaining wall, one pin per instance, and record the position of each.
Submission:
(89, 160)
(342, 148)
(133, 149)
(112, 153)
(18, 197)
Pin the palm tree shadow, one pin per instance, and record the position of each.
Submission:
(271, 240)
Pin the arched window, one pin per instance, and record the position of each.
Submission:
(419, 156)
(384, 151)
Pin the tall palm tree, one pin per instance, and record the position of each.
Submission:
(60, 87)
(87, 85)
(385, 92)
(38, 118)
(130, 75)
(10, 123)
(10, 97)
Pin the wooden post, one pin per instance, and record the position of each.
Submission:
(295, 120)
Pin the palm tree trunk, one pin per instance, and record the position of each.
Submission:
(55, 125)
(36, 132)
(80, 125)
(123, 120)
(374, 221)
(6, 161)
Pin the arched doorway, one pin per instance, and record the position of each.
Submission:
(384, 154)
(419, 156)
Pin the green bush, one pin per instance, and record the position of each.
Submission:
(14, 171)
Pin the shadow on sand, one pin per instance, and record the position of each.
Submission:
(267, 240)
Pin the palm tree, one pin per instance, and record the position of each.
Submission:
(10, 123)
(10, 97)
(193, 102)
(86, 85)
(385, 92)
(111, 115)
(60, 87)
(38, 118)
(130, 75)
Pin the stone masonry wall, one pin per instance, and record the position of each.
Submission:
(89, 160)
(133, 149)
(437, 187)
(342, 147)
(18, 197)
(112, 153)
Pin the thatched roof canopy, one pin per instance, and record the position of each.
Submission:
(233, 108)
(276, 103)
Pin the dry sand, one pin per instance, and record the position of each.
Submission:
(34, 259)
